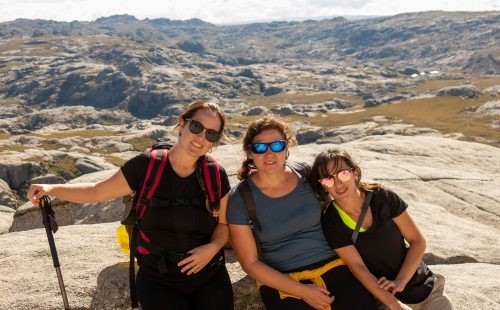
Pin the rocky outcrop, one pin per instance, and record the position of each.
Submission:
(6, 217)
(106, 90)
(273, 90)
(254, 111)
(465, 91)
(18, 173)
(7, 198)
(490, 108)
(309, 135)
(147, 104)
(71, 117)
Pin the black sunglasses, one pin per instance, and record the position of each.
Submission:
(196, 127)
(261, 148)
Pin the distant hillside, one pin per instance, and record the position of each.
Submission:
(466, 40)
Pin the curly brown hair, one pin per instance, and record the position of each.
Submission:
(268, 122)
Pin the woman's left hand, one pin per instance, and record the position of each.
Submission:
(199, 258)
(392, 286)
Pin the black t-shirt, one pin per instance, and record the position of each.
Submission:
(382, 246)
(176, 228)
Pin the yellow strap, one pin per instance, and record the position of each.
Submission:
(313, 275)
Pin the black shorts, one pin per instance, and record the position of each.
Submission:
(208, 289)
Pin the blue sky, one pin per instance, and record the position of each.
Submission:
(227, 11)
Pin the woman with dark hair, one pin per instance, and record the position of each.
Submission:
(367, 226)
(296, 269)
(190, 273)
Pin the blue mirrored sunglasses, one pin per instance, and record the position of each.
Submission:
(261, 148)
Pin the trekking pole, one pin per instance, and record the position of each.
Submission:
(51, 227)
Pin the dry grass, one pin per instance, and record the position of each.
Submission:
(13, 148)
(445, 114)
(79, 133)
(433, 84)
(430, 85)
(10, 101)
(8, 66)
(117, 161)
(485, 82)
(297, 98)
(141, 143)
(64, 167)
(51, 145)
(11, 44)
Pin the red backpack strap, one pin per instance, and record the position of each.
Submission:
(209, 178)
(211, 172)
(156, 165)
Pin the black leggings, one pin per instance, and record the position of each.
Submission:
(348, 293)
(209, 289)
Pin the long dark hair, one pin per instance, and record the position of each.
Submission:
(268, 122)
(336, 156)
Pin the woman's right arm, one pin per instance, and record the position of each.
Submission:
(243, 244)
(112, 187)
(353, 260)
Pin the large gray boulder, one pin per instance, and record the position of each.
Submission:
(27, 216)
(94, 270)
(451, 187)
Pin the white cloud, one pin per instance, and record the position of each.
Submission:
(226, 11)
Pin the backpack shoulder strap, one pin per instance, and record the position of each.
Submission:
(301, 168)
(208, 174)
(247, 197)
(304, 169)
(364, 209)
(156, 165)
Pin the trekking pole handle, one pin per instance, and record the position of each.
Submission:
(44, 203)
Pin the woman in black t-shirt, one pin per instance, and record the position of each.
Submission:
(394, 273)
(184, 267)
